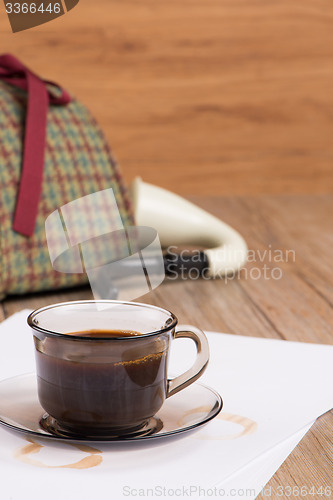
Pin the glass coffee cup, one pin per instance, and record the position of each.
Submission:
(102, 366)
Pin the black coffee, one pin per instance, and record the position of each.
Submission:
(96, 384)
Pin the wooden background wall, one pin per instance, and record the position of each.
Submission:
(200, 96)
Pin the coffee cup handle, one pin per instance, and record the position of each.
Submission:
(185, 379)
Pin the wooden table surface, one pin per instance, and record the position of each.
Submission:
(297, 306)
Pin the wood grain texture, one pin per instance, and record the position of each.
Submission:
(298, 306)
(201, 97)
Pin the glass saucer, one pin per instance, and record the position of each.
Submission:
(189, 409)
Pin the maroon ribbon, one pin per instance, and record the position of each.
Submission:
(12, 71)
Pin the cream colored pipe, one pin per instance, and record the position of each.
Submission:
(179, 222)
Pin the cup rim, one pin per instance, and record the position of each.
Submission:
(34, 326)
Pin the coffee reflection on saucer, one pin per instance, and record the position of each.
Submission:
(92, 459)
(248, 426)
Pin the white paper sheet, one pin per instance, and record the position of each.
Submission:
(272, 392)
